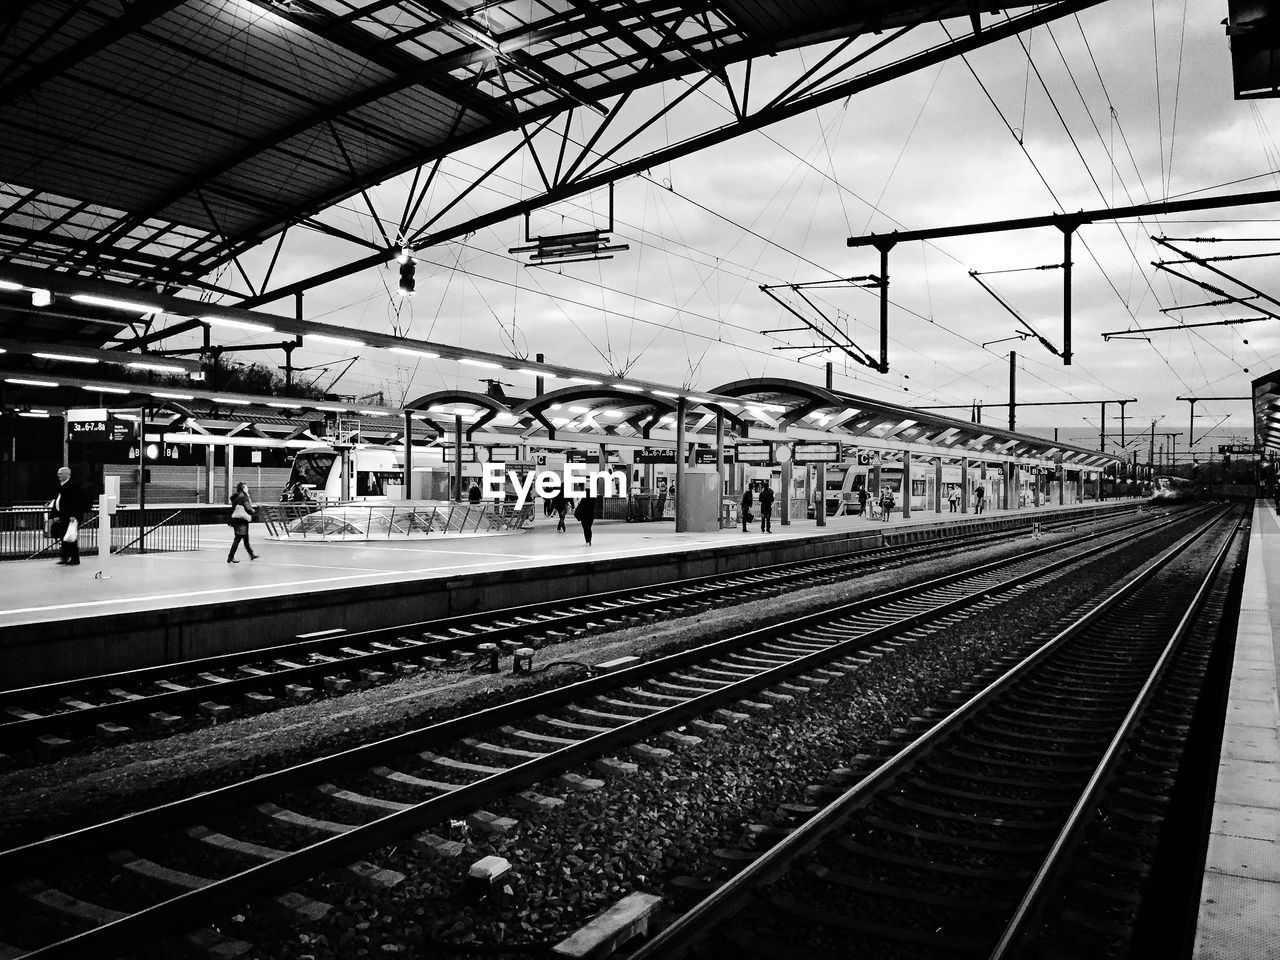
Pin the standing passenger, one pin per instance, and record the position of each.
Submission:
(560, 507)
(746, 507)
(953, 498)
(766, 508)
(585, 514)
(979, 498)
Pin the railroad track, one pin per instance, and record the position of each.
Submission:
(190, 861)
(165, 697)
(957, 845)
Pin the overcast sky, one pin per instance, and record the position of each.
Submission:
(683, 304)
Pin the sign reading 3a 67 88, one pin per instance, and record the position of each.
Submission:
(97, 425)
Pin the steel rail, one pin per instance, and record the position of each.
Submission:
(190, 908)
(678, 939)
(631, 602)
(1055, 860)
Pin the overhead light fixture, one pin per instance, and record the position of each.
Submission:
(233, 401)
(341, 341)
(106, 389)
(405, 255)
(530, 373)
(377, 413)
(697, 399)
(10, 285)
(480, 363)
(666, 393)
(158, 367)
(588, 382)
(22, 382)
(729, 404)
(331, 409)
(408, 270)
(65, 356)
(34, 414)
(628, 387)
(238, 324)
(171, 396)
(410, 351)
(114, 303)
(41, 297)
(284, 406)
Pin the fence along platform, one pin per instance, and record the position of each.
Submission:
(157, 529)
(390, 520)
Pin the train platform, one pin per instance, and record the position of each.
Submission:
(1239, 912)
(58, 622)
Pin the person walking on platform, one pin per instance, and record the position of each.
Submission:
(979, 498)
(953, 498)
(560, 508)
(747, 500)
(863, 499)
(66, 513)
(766, 508)
(242, 510)
(585, 514)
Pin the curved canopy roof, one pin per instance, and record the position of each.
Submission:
(158, 139)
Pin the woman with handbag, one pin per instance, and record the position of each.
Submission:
(66, 513)
(242, 511)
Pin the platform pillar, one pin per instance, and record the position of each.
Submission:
(1062, 483)
(209, 454)
(785, 518)
(457, 457)
(964, 485)
(720, 453)
(680, 460)
(906, 485)
(982, 478)
(820, 505)
(937, 486)
(408, 456)
(1006, 495)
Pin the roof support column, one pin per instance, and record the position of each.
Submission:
(457, 457)
(1007, 494)
(820, 500)
(937, 485)
(719, 460)
(1061, 473)
(982, 477)
(785, 495)
(408, 456)
(681, 499)
(906, 485)
(142, 478)
(964, 485)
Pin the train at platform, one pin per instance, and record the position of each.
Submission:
(1167, 490)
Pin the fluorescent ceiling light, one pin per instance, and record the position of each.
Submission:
(343, 341)
(171, 396)
(588, 382)
(480, 363)
(32, 413)
(114, 303)
(10, 285)
(377, 413)
(410, 351)
(106, 389)
(331, 409)
(628, 387)
(666, 393)
(65, 356)
(697, 399)
(19, 381)
(530, 373)
(729, 404)
(159, 367)
(41, 298)
(238, 324)
(232, 400)
(285, 406)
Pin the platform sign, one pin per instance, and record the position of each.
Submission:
(655, 455)
(868, 457)
(97, 425)
(817, 453)
(754, 453)
(468, 453)
(708, 457)
(581, 456)
(500, 453)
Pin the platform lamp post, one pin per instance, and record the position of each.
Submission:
(937, 485)
(142, 479)
(719, 460)
(457, 456)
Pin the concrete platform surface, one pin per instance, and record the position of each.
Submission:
(36, 591)
(1240, 897)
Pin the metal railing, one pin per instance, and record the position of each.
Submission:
(159, 530)
(389, 521)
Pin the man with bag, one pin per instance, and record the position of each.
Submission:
(66, 513)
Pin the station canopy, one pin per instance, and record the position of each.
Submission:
(1266, 413)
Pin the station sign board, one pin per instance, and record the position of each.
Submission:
(754, 453)
(97, 424)
(468, 453)
(1244, 449)
(504, 453)
(581, 456)
(868, 457)
(817, 453)
(655, 455)
(709, 456)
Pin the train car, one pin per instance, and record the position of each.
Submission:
(1166, 490)
(845, 481)
(376, 473)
